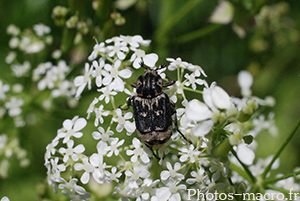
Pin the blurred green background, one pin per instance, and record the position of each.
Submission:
(177, 28)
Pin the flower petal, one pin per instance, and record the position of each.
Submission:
(245, 154)
(150, 59)
(125, 73)
(67, 124)
(79, 124)
(197, 111)
(203, 128)
(164, 175)
(220, 98)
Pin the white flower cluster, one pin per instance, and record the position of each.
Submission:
(47, 75)
(29, 41)
(54, 78)
(11, 103)
(16, 99)
(215, 123)
(10, 150)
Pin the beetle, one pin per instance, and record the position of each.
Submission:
(153, 110)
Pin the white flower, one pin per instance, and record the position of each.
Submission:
(87, 167)
(288, 184)
(190, 154)
(99, 113)
(198, 177)
(223, 13)
(216, 97)
(207, 114)
(72, 186)
(3, 89)
(113, 77)
(117, 49)
(12, 30)
(136, 174)
(11, 56)
(71, 128)
(147, 189)
(113, 175)
(61, 69)
(71, 152)
(218, 168)
(4, 198)
(191, 80)
(20, 70)
(100, 165)
(104, 136)
(97, 73)
(41, 29)
(171, 192)
(140, 55)
(55, 166)
(137, 152)
(98, 48)
(261, 164)
(65, 88)
(32, 47)
(83, 80)
(122, 123)
(48, 81)
(76, 197)
(56, 54)
(133, 41)
(115, 39)
(198, 71)
(172, 173)
(41, 70)
(106, 93)
(78, 193)
(14, 42)
(50, 149)
(113, 147)
(14, 106)
(245, 81)
(91, 107)
(198, 111)
(212, 186)
(176, 63)
(261, 123)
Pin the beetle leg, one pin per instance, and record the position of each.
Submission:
(128, 103)
(169, 83)
(154, 154)
(176, 126)
(188, 140)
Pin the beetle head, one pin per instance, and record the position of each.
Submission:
(150, 84)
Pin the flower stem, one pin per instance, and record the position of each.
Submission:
(195, 91)
(284, 144)
(282, 178)
(253, 179)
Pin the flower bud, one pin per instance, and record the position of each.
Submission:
(236, 138)
(248, 139)
(222, 149)
(241, 187)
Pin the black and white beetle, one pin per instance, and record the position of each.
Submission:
(153, 110)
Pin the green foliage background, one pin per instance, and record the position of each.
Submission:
(177, 28)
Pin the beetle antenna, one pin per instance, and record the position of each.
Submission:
(163, 65)
(142, 64)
